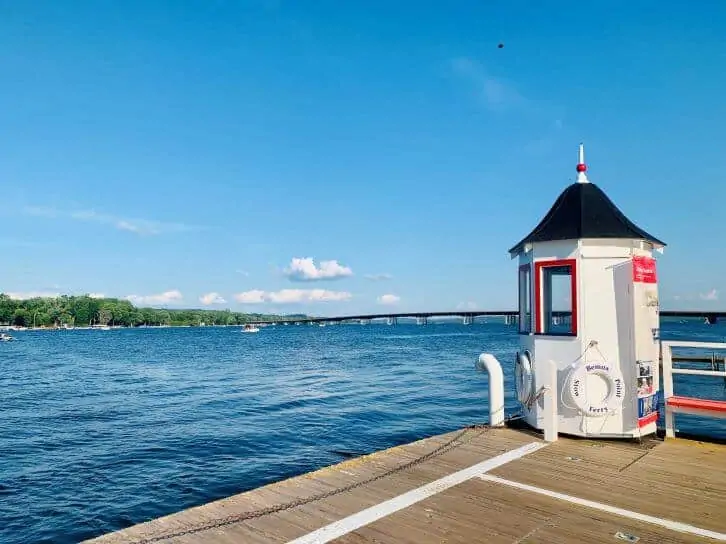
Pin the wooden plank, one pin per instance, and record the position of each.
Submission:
(679, 480)
(476, 445)
(478, 511)
(414, 496)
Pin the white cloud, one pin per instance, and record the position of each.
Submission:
(308, 295)
(496, 93)
(304, 269)
(96, 295)
(388, 299)
(251, 297)
(711, 295)
(243, 272)
(212, 298)
(166, 297)
(291, 296)
(466, 305)
(137, 226)
(378, 277)
(32, 294)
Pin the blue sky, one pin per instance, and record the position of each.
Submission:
(171, 150)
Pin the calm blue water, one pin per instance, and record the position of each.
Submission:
(104, 429)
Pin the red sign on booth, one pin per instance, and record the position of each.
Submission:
(644, 270)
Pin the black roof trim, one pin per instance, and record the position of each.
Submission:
(581, 211)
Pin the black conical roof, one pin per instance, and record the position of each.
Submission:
(583, 210)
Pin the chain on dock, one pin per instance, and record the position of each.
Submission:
(455, 442)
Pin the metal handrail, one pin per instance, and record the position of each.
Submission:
(698, 359)
(668, 372)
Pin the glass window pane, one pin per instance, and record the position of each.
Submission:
(525, 299)
(557, 300)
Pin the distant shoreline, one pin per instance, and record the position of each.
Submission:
(5, 327)
(86, 311)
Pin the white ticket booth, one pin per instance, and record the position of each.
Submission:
(588, 301)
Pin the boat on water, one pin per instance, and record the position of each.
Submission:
(4, 337)
(250, 328)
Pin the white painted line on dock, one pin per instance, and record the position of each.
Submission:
(386, 508)
(666, 523)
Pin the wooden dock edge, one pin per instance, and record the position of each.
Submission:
(376, 491)
(154, 530)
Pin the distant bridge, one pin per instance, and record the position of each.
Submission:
(510, 316)
(421, 317)
(706, 315)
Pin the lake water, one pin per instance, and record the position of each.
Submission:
(104, 429)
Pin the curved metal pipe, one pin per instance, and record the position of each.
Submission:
(487, 362)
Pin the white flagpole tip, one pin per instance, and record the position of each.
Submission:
(581, 167)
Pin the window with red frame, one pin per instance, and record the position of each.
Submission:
(555, 286)
(525, 299)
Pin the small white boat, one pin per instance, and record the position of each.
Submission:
(4, 337)
(250, 328)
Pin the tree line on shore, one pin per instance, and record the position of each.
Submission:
(80, 311)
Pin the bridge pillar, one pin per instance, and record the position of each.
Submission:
(422, 320)
(510, 319)
(392, 321)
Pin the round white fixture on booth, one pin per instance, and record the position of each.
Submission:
(596, 388)
(524, 377)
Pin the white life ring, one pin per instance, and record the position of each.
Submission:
(602, 405)
(523, 377)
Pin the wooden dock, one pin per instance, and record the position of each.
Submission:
(476, 485)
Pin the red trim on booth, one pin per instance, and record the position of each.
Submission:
(647, 420)
(538, 266)
(537, 298)
(697, 404)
